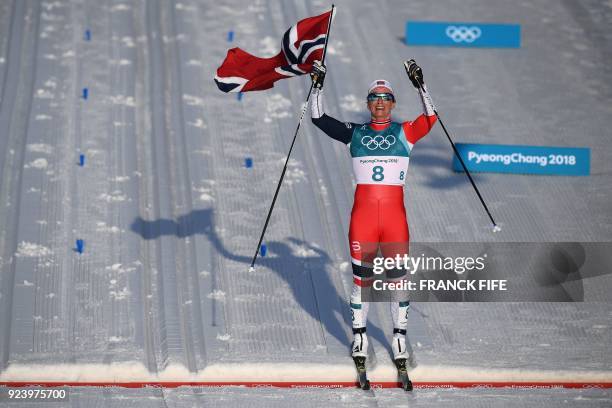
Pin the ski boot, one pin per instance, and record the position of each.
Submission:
(400, 357)
(359, 352)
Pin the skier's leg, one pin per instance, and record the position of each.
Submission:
(399, 304)
(399, 307)
(363, 241)
(362, 262)
(396, 242)
(362, 281)
(399, 312)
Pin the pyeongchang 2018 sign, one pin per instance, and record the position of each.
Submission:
(455, 34)
(561, 161)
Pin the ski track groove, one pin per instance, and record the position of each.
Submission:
(200, 250)
(164, 39)
(74, 272)
(38, 308)
(166, 312)
(93, 309)
(69, 267)
(13, 167)
(175, 191)
(6, 12)
(207, 259)
(148, 205)
(116, 87)
(123, 140)
(6, 279)
(217, 129)
(193, 316)
(83, 295)
(58, 187)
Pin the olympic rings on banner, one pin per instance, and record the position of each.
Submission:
(463, 33)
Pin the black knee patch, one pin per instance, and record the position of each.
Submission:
(362, 271)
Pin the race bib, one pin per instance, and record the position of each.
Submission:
(389, 170)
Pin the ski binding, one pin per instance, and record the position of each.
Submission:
(364, 383)
(402, 372)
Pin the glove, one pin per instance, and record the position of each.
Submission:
(318, 74)
(415, 74)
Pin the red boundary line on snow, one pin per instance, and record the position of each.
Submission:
(307, 384)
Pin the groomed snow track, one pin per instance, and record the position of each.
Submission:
(161, 299)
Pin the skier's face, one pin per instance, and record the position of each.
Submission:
(379, 108)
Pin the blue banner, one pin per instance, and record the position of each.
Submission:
(453, 34)
(568, 161)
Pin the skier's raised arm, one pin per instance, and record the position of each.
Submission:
(418, 128)
(341, 131)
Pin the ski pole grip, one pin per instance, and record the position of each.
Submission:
(407, 66)
(417, 78)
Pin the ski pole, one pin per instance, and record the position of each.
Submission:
(496, 228)
(297, 129)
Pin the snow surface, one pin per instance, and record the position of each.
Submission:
(284, 372)
(170, 215)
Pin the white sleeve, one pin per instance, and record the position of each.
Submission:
(428, 106)
(316, 103)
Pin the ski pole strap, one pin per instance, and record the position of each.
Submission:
(428, 106)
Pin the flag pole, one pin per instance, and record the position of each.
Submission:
(297, 129)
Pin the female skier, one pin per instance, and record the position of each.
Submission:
(380, 150)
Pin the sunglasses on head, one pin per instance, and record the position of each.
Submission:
(373, 97)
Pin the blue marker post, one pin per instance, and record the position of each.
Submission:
(81, 160)
(230, 36)
(87, 35)
(263, 250)
(239, 96)
(248, 162)
(80, 246)
(85, 93)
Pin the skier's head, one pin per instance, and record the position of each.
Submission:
(380, 100)
(380, 85)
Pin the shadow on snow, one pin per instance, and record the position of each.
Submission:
(305, 274)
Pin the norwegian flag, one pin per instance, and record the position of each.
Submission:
(302, 44)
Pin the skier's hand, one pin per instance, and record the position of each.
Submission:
(318, 74)
(415, 73)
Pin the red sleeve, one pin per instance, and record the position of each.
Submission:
(419, 128)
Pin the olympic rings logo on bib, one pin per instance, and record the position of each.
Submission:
(463, 33)
(378, 142)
